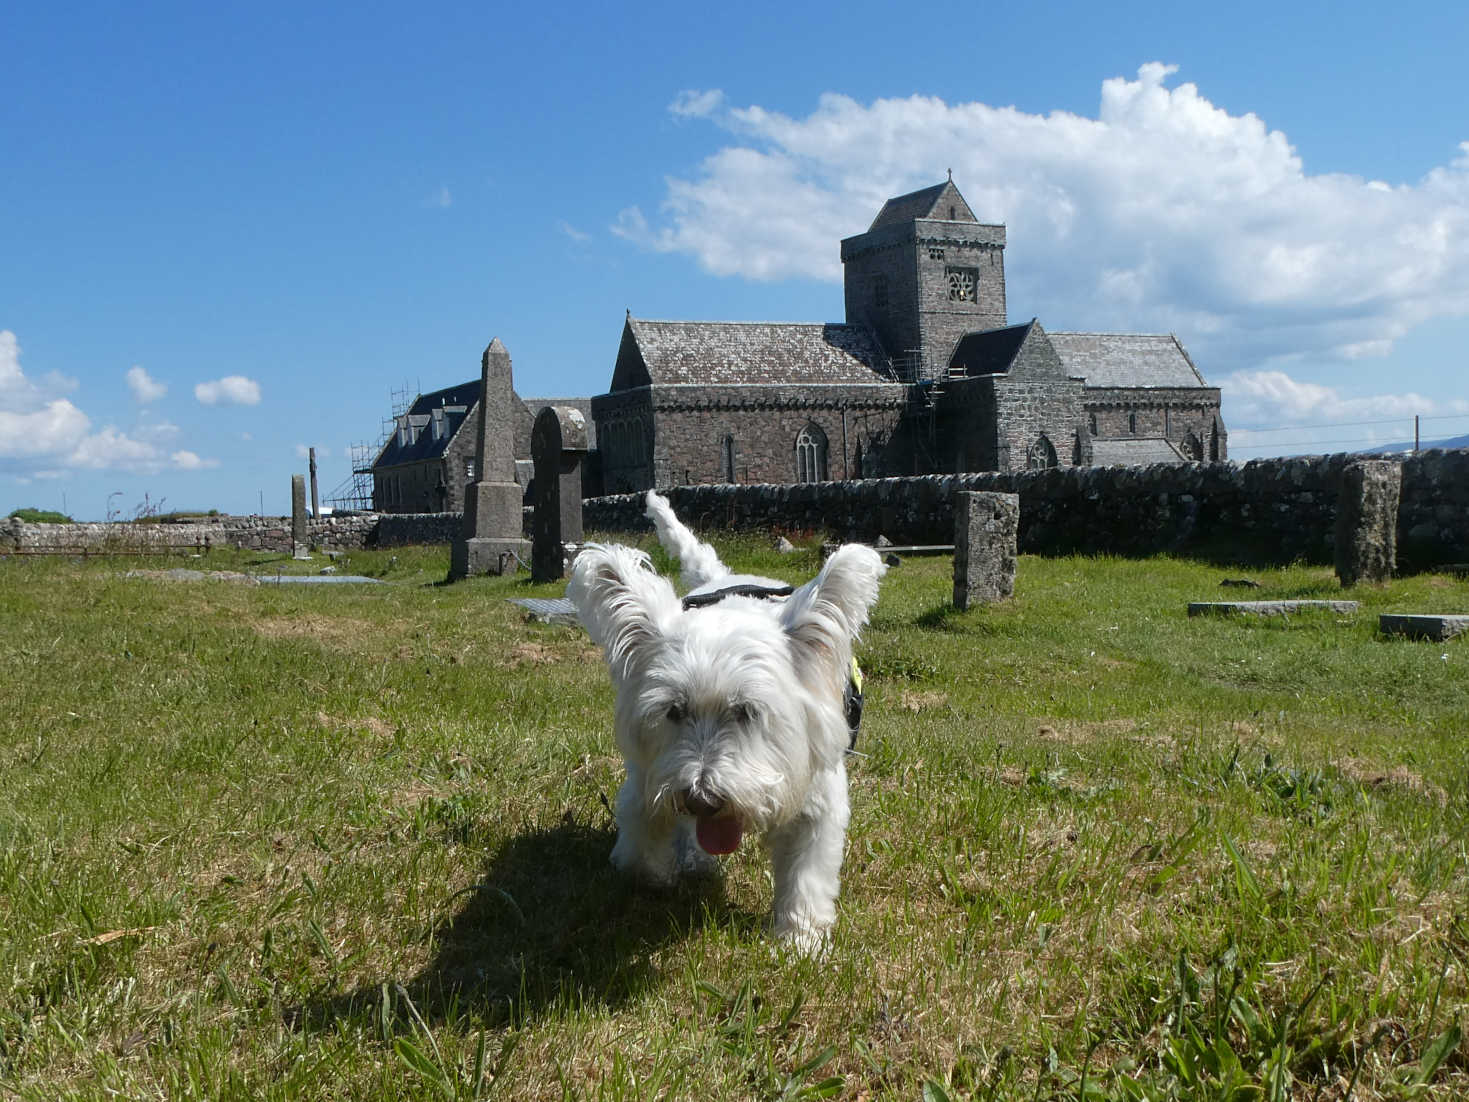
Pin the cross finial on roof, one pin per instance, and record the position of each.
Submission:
(951, 175)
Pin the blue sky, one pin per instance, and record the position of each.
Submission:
(229, 232)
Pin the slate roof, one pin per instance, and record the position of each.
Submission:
(1126, 359)
(671, 353)
(989, 351)
(456, 401)
(1136, 452)
(922, 204)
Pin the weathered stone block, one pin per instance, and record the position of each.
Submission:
(1367, 521)
(298, 517)
(558, 445)
(986, 526)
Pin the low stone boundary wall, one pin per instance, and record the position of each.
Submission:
(130, 538)
(1272, 510)
(1268, 510)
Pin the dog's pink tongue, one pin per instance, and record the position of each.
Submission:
(719, 835)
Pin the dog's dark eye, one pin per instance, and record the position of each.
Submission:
(677, 713)
(742, 713)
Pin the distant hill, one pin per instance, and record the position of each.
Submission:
(1407, 446)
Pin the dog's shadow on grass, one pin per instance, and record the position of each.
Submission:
(549, 925)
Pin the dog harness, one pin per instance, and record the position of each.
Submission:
(852, 696)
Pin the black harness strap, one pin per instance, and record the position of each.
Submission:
(750, 589)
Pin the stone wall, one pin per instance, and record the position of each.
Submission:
(338, 532)
(1433, 509)
(1269, 510)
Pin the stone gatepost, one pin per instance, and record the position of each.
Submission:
(986, 526)
(298, 518)
(558, 444)
(491, 538)
(1367, 521)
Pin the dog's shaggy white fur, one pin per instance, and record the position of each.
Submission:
(730, 716)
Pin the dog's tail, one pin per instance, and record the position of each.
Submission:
(698, 562)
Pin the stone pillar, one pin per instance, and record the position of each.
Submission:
(558, 444)
(491, 537)
(985, 529)
(298, 517)
(315, 501)
(1367, 521)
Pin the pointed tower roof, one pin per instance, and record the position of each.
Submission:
(942, 203)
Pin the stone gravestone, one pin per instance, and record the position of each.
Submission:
(558, 444)
(1367, 521)
(491, 538)
(298, 517)
(986, 526)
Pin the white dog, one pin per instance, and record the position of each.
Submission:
(730, 712)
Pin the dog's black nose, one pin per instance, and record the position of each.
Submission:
(697, 803)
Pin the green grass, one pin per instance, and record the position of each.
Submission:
(351, 842)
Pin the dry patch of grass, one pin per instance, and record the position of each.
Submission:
(334, 631)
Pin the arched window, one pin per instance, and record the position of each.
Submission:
(727, 449)
(1091, 423)
(1041, 454)
(811, 455)
(1132, 423)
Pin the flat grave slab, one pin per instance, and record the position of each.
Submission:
(317, 579)
(1267, 608)
(548, 610)
(1421, 626)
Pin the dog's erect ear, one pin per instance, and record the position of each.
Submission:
(827, 613)
(621, 602)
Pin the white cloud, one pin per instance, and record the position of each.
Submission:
(234, 390)
(1254, 396)
(111, 449)
(572, 232)
(145, 388)
(303, 451)
(694, 104)
(440, 199)
(43, 436)
(34, 423)
(188, 461)
(1290, 415)
(54, 428)
(17, 392)
(1164, 212)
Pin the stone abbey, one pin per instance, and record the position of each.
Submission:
(925, 376)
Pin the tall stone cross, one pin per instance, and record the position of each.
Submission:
(491, 537)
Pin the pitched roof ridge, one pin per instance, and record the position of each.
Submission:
(695, 321)
(1105, 333)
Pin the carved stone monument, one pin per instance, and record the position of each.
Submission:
(298, 518)
(558, 444)
(986, 526)
(491, 539)
(1367, 521)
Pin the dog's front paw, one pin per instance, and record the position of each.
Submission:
(654, 870)
(803, 936)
